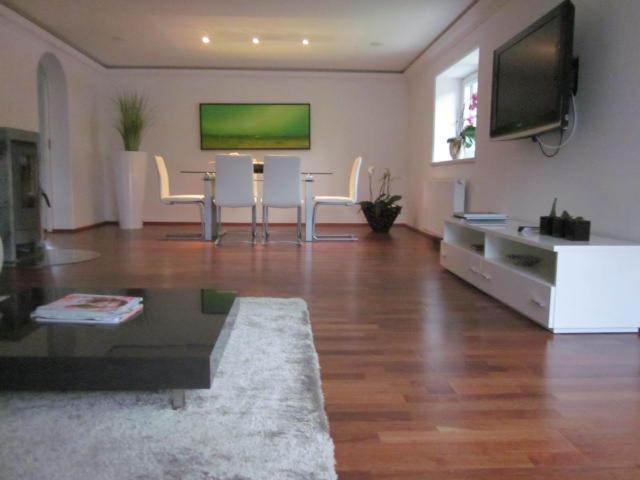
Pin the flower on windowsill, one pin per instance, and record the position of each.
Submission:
(473, 105)
(466, 135)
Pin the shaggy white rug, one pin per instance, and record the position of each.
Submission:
(263, 418)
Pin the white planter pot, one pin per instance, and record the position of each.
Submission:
(131, 176)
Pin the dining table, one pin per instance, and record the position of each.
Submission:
(209, 216)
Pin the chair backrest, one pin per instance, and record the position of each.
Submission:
(234, 181)
(163, 177)
(353, 179)
(282, 185)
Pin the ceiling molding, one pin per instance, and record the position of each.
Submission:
(316, 74)
(467, 24)
(441, 34)
(33, 27)
(250, 69)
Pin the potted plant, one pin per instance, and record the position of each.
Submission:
(131, 164)
(383, 211)
(465, 134)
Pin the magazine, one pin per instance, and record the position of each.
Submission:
(89, 309)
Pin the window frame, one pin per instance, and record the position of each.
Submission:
(438, 158)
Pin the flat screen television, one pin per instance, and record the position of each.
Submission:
(255, 126)
(534, 77)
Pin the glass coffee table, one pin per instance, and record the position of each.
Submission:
(175, 344)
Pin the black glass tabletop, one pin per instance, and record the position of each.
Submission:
(168, 345)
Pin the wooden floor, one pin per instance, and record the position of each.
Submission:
(424, 376)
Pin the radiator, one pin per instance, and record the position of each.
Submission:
(441, 197)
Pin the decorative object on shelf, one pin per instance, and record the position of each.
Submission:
(528, 231)
(557, 224)
(565, 226)
(547, 221)
(478, 247)
(465, 134)
(523, 260)
(577, 229)
(131, 164)
(383, 211)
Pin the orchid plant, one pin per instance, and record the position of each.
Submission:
(385, 200)
(466, 127)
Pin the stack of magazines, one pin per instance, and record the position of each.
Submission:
(481, 217)
(86, 309)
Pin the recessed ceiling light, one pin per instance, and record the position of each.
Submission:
(255, 40)
(206, 39)
(305, 41)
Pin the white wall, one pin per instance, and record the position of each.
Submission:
(351, 115)
(81, 199)
(597, 175)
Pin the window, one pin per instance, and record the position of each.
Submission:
(456, 110)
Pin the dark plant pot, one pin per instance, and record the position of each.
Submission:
(546, 224)
(384, 220)
(557, 227)
(577, 230)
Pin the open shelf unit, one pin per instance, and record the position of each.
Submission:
(567, 287)
(500, 251)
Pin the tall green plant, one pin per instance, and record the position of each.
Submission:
(133, 119)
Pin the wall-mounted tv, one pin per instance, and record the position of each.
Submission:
(255, 126)
(534, 75)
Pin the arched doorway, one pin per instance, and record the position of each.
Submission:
(55, 161)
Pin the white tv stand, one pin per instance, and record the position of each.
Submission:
(578, 287)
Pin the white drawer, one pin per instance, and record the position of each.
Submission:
(463, 263)
(531, 297)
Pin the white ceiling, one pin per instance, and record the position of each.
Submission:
(354, 35)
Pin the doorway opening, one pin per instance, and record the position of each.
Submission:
(55, 161)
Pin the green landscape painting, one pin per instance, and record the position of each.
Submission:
(242, 126)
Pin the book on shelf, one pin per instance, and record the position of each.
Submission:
(89, 309)
(481, 216)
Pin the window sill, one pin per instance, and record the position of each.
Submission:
(462, 161)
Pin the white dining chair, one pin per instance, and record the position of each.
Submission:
(235, 189)
(168, 199)
(281, 188)
(348, 201)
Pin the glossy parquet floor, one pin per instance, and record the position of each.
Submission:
(424, 377)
